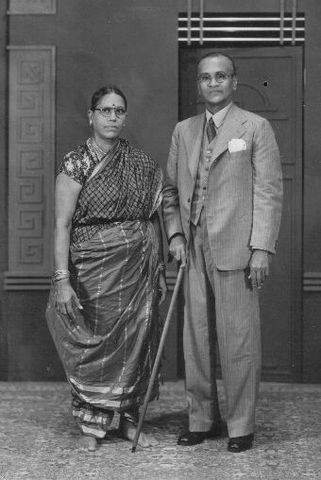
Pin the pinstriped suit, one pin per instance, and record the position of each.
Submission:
(242, 211)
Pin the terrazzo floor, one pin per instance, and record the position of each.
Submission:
(39, 439)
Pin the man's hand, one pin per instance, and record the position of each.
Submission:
(177, 248)
(259, 268)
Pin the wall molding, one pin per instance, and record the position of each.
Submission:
(31, 163)
(32, 7)
(312, 282)
(42, 280)
(26, 281)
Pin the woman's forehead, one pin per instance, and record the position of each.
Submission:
(111, 99)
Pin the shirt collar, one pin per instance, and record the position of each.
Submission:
(219, 117)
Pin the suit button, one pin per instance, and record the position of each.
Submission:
(188, 200)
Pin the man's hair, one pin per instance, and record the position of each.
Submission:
(218, 54)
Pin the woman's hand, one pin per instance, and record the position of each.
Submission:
(162, 287)
(66, 300)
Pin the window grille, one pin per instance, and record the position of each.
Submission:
(262, 29)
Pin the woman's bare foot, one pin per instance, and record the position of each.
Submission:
(87, 442)
(128, 430)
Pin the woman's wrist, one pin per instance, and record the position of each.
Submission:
(60, 274)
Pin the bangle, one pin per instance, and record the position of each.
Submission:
(61, 278)
(60, 275)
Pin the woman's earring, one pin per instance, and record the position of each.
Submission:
(90, 123)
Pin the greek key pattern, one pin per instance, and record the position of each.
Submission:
(31, 161)
(32, 7)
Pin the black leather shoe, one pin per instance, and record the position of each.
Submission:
(240, 444)
(194, 438)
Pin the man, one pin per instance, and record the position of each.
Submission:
(222, 211)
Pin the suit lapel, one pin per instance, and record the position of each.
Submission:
(193, 142)
(233, 127)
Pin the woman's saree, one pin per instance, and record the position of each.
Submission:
(109, 349)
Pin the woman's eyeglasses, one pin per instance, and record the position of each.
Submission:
(107, 111)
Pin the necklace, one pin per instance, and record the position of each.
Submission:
(98, 150)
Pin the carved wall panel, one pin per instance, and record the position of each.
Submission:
(31, 163)
(32, 7)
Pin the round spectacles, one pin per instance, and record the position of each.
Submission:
(106, 112)
(219, 77)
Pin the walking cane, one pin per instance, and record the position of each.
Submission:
(158, 357)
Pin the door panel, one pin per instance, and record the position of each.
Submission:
(270, 84)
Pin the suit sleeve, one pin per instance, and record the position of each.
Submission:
(171, 210)
(267, 189)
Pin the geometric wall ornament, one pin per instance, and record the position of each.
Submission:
(29, 190)
(32, 7)
(30, 130)
(30, 73)
(30, 101)
(31, 164)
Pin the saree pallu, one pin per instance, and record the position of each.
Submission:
(109, 349)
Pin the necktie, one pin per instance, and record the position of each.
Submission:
(210, 130)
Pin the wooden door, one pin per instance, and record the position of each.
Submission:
(270, 84)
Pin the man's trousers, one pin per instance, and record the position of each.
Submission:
(222, 306)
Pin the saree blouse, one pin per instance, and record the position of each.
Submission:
(127, 186)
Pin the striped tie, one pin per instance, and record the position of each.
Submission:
(210, 130)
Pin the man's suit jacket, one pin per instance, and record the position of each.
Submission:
(244, 194)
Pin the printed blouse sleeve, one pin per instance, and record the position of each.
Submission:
(75, 166)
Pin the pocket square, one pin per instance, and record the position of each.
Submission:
(236, 145)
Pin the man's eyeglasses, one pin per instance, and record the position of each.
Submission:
(107, 111)
(219, 77)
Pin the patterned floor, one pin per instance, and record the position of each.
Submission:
(38, 439)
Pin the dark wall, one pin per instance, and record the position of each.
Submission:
(3, 187)
(312, 195)
(133, 43)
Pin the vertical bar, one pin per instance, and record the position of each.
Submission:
(158, 355)
(189, 21)
(294, 8)
(201, 22)
(281, 22)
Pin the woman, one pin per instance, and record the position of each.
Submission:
(102, 311)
